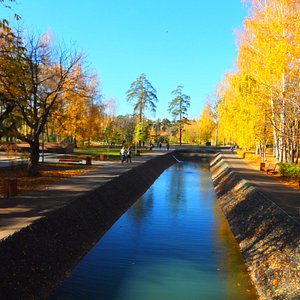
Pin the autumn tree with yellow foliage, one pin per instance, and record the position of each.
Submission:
(263, 93)
(237, 111)
(79, 115)
(32, 80)
(207, 126)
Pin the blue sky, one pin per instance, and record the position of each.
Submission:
(174, 42)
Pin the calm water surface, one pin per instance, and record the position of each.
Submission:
(173, 243)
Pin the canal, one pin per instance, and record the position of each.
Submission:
(173, 243)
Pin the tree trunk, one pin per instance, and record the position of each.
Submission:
(180, 134)
(217, 135)
(283, 141)
(275, 132)
(297, 154)
(180, 126)
(297, 138)
(32, 168)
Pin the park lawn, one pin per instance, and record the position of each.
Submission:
(113, 153)
(49, 173)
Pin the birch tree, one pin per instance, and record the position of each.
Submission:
(264, 91)
(269, 52)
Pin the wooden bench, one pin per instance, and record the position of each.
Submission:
(70, 160)
(10, 187)
(247, 152)
(271, 167)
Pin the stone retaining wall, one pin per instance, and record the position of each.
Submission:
(195, 156)
(36, 259)
(268, 238)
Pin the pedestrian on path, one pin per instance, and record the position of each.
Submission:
(123, 153)
(128, 155)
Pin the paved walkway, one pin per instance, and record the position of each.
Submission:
(21, 211)
(286, 197)
(9, 160)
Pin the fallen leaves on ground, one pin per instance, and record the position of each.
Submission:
(49, 173)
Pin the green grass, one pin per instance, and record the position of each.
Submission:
(112, 154)
(290, 171)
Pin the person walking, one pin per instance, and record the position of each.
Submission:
(128, 155)
(123, 154)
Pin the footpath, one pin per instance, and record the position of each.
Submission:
(285, 197)
(21, 211)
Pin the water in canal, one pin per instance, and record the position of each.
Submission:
(172, 244)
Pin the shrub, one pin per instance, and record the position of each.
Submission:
(290, 171)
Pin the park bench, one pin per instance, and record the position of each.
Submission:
(86, 156)
(88, 159)
(10, 187)
(271, 167)
(247, 152)
(70, 160)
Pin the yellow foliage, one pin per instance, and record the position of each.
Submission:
(261, 95)
(206, 125)
(76, 115)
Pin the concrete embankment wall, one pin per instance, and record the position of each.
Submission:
(269, 239)
(34, 260)
(203, 156)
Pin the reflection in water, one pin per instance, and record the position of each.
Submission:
(174, 243)
(141, 207)
(175, 191)
(230, 258)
